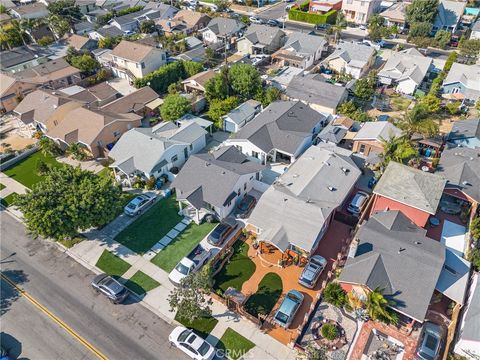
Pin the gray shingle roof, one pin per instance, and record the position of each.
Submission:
(412, 187)
(314, 89)
(295, 208)
(460, 166)
(242, 112)
(210, 178)
(405, 65)
(471, 326)
(283, 125)
(352, 53)
(262, 34)
(465, 129)
(449, 13)
(377, 130)
(333, 134)
(395, 255)
(303, 43)
(225, 26)
(468, 75)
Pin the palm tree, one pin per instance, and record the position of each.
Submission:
(340, 23)
(397, 148)
(417, 120)
(377, 307)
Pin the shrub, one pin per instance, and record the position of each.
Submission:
(335, 295)
(45, 40)
(42, 168)
(150, 183)
(329, 331)
(300, 14)
(453, 107)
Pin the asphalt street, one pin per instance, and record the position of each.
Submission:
(62, 287)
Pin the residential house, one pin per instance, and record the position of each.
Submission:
(12, 92)
(335, 131)
(41, 32)
(406, 70)
(131, 22)
(95, 129)
(460, 166)
(284, 76)
(241, 115)
(462, 82)
(86, 5)
(314, 90)
(34, 10)
(475, 30)
(300, 50)
(22, 57)
(465, 133)
(280, 133)
(147, 152)
(359, 11)
(295, 212)
(197, 82)
(83, 28)
(220, 31)
(261, 39)
(394, 255)
(131, 60)
(166, 11)
(351, 58)
(414, 192)
(81, 43)
(213, 183)
(197, 54)
(468, 333)
(449, 14)
(186, 119)
(140, 102)
(395, 15)
(184, 22)
(369, 139)
(96, 96)
(105, 32)
(54, 74)
(324, 6)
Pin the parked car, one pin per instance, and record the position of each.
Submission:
(321, 27)
(272, 22)
(288, 1)
(430, 342)
(189, 264)
(191, 344)
(312, 271)
(358, 203)
(139, 203)
(255, 20)
(245, 206)
(362, 27)
(220, 234)
(289, 307)
(289, 6)
(111, 288)
(128, 33)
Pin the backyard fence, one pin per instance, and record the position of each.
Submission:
(17, 158)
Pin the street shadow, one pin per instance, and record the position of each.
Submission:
(12, 346)
(9, 294)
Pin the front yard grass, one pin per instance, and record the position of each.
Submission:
(25, 171)
(140, 283)
(267, 295)
(8, 200)
(202, 326)
(2, 186)
(185, 242)
(69, 243)
(238, 270)
(150, 227)
(111, 264)
(234, 344)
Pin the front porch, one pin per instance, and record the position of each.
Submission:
(191, 212)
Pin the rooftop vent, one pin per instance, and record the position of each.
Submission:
(207, 164)
(465, 183)
(401, 249)
(345, 170)
(331, 188)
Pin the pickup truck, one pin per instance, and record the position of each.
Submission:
(189, 264)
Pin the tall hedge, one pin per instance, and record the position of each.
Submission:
(301, 14)
(168, 74)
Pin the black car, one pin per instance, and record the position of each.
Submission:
(244, 207)
(272, 22)
(322, 26)
(110, 287)
(219, 234)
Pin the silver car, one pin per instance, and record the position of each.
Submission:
(430, 342)
(139, 203)
(110, 287)
(289, 307)
(312, 271)
(358, 203)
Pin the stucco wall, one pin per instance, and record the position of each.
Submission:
(417, 216)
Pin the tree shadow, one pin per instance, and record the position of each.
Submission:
(12, 346)
(9, 294)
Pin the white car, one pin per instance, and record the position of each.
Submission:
(255, 20)
(191, 344)
(139, 203)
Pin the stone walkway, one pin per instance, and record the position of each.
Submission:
(90, 165)
(11, 186)
(167, 239)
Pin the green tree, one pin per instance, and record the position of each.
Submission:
(335, 295)
(210, 57)
(377, 307)
(217, 87)
(376, 27)
(477, 105)
(340, 24)
(329, 331)
(45, 40)
(190, 300)
(68, 200)
(174, 106)
(397, 149)
(442, 37)
(365, 87)
(3, 9)
(222, 4)
(109, 42)
(420, 30)
(268, 96)
(422, 11)
(470, 47)
(147, 26)
(347, 108)
(49, 147)
(454, 107)
(59, 25)
(217, 108)
(417, 120)
(474, 258)
(245, 80)
(312, 352)
(65, 9)
(431, 103)
(475, 228)
(191, 68)
(77, 151)
(85, 63)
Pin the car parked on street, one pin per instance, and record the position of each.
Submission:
(273, 23)
(220, 234)
(111, 288)
(255, 20)
(312, 271)
(191, 344)
(322, 26)
(245, 206)
(358, 203)
(289, 307)
(139, 203)
(430, 342)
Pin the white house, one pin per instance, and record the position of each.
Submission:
(351, 58)
(241, 115)
(220, 30)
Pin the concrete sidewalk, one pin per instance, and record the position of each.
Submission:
(11, 186)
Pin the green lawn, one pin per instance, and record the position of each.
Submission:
(2, 186)
(141, 283)
(112, 264)
(202, 326)
(25, 171)
(8, 200)
(150, 227)
(107, 172)
(72, 242)
(400, 103)
(185, 242)
(238, 270)
(234, 344)
(267, 295)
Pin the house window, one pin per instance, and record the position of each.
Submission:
(238, 147)
(129, 126)
(362, 149)
(244, 186)
(238, 192)
(143, 65)
(191, 147)
(255, 154)
(174, 158)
